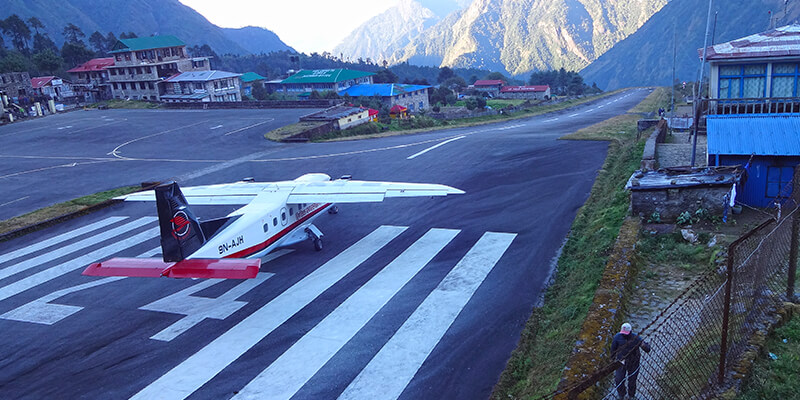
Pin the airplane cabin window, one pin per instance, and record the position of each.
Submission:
(291, 211)
(283, 216)
(266, 227)
(275, 221)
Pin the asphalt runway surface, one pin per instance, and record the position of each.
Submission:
(418, 298)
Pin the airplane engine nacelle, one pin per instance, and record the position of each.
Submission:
(317, 177)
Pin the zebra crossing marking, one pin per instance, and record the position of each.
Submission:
(59, 239)
(188, 376)
(284, 377)
(390, 371)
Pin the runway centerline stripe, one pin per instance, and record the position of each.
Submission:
(296, 366)
(58, 239)
(76, 263)
(73, 247)
(411, 157)
(202, 366)
(390, 371)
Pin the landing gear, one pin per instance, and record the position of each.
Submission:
(333, 210)
(316, 237)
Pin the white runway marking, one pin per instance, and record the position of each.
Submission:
(215, 127)
(296, 366)
(551, 120)
(201, 367)
(390, 371)
(196, 309)
(14, 201)
(248, 127)
(58, 239)
(73, 247)
(70, 165)
(434, 146)
(76, 263)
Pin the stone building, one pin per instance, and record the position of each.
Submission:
(490, 86)
(413, 97)
(16, 84)
(141, 64)
(53, 87)
(90, 79)
(535, 92)
(202, 86)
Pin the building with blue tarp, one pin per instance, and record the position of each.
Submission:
(413, 97)
(770, 143)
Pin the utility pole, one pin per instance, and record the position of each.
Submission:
(674, 57)
(700, 84)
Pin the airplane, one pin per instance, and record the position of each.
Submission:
(274, 214)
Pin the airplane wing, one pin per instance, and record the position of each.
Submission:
(238, 193)
(225, 268)
(350, 191)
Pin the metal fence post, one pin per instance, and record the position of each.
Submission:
(795, 231)
(723, 353)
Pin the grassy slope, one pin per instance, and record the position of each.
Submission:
(777, 379)
(547, 341)
(60, 209)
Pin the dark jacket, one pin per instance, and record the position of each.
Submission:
(626, 347)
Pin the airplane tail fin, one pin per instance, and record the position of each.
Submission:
(181, 234)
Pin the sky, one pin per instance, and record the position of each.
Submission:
(306, 25)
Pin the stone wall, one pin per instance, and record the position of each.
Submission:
(671, 202)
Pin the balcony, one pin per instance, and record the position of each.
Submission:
(763, 105)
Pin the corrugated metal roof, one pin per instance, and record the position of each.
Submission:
(146, 43)
(333, 113)
(95, 64)
(252, 76)
(490, 82)
(198, 76)
(381, 89)
(517, 89)
(325, 75)
(783, 41)
(759, 134)
(41, 81)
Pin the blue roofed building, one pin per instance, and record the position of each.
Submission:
(413, 97)
(752, 117)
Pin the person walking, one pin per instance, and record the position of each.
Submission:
(625, 349)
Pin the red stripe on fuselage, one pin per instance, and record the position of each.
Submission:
(272, 239)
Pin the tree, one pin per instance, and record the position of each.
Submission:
(75, 53)
(259, 93)
(315, 95)
(445, 73)
(456, 83)
(384, 76)
(41, 42)
(492, 76)
(111, 40)
(35, 24)
(20, 34)
(73, 34)
(14, 61)
(99, 43)
(47, 61)
(127, 35)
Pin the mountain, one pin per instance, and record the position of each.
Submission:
(256, 40)
(388, 32)
(516, 36)
(646, 57)
(143, 17)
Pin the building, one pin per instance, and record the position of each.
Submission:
(413, 97)
(53, 87)
(753, 115)
(491, 86)
(16, 85)
(536, 92)
(307, 80)
(340, 117)
(249, 80)
(202, 86)
(141, 64)
(90, 79)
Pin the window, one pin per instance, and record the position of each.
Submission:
(118, 57)
(779, 181)
(198, 86)
(113, 71)
(123, 86)
(784, 80)
(742, 81)
(138, 70)
(275, 221)
(266, 227)
(132, 71)
(142, 85)
(421, 105)
(150, 85)
(291, 211)
(115, 85)
(127, 56)
(283, 216)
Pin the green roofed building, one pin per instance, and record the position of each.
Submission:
(142, 64)
(249, 80)
(308, 80)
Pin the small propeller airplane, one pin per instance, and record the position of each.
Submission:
(274, 214)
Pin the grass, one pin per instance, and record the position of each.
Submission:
(60, 209)
(495, 103)
(291, 130)
(776, 379)
(673, 249)
(394, 128)
(549, 336)
(127, 104)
